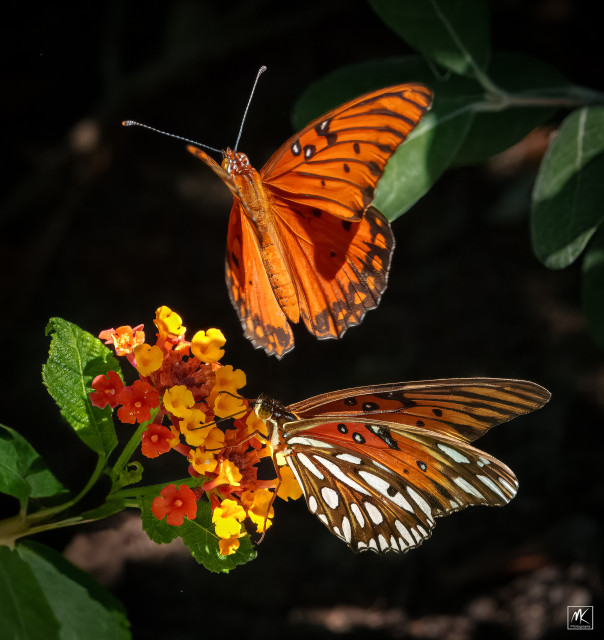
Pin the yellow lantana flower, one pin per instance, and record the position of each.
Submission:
(228, 546)
(202, 461)
(227, 518)
(191, 427)
(257, 503)
(168, 322)
(178, 400)
(206, 345)
(227, 406)
(148, 358)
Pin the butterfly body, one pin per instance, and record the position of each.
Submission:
(304, 242)
(379, 464)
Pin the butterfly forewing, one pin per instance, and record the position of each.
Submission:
(335, 162)
(378, 490)
(460, 408)
(262, 318)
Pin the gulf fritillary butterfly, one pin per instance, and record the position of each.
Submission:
(379, 464)
(303, 240)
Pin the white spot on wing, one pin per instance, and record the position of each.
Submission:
(340, 475)
(492, 486)
(421, 503)
(455, 455)
(454, 504)
(305, 460)
(349, 458)
(330, 496)
(373, 544)
(358, 514)
(374, 513)
(404, 532)
(312, 504)
(467, 487)
(416, 535)
(323, 518)
(346, 529)
(309, 442)
(484, 460)
(382, 486)
(507, 485)
(383, 542)
(394, 544)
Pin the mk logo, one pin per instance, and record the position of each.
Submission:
(580, 618)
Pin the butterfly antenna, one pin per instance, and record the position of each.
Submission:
(260, 72)
(132, 123)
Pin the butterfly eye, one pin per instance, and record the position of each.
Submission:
(263, 407)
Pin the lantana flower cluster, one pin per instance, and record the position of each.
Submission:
(195, 408)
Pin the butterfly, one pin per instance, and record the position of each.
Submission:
(303, 240)
(379, 464)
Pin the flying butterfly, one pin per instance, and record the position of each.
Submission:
(379, 464)
(303, 240)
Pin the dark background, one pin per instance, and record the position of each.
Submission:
(101, 225)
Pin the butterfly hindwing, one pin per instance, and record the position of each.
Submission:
(463, 408)
(377, 489)
(335, 162)
(339, 268)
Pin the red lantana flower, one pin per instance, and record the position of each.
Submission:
(137, 402)
(157, 440)
(175, 503)
(106, 390)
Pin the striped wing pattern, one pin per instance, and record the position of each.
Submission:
(464, 408)
(380, 485)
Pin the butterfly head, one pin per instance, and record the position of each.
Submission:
(265, 406)
(236, 163)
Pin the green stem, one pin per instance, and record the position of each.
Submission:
(131, 447)
(46, 514)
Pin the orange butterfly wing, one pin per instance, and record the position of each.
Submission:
(461, 408)
(303, 240)
(339, 268)
(262, 318)
(335, 162)
(377, 479)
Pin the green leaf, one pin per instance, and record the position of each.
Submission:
(593, 286)
(25, 613)
(200, 537)
(453, 33)
(82, 607)
(429, 150)
(75, 359)
(44, 596)
(568, 195)
(23, 473)
(495, 131)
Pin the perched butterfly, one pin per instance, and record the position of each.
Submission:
(378, 464)
(303, 240)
